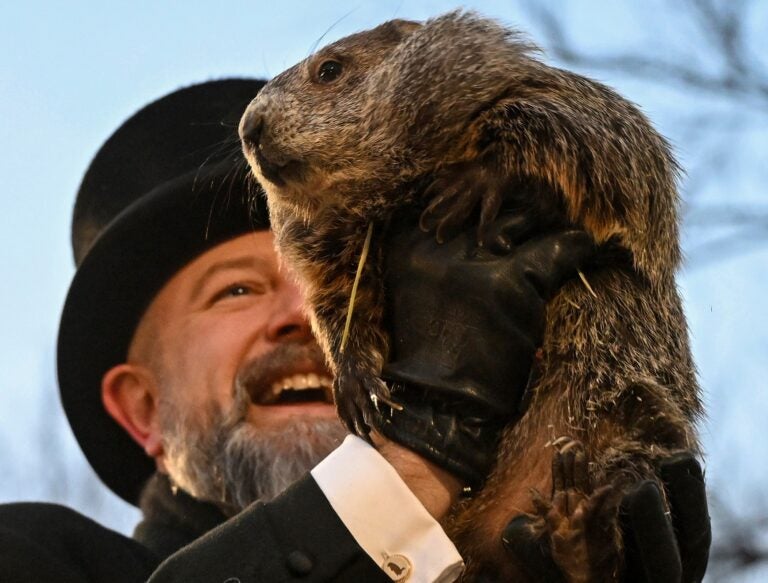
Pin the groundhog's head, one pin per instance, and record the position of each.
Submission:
(375, 109)
(300, 133)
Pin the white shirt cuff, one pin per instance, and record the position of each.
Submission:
(385, 517)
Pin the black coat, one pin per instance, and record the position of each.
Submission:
(296, 537)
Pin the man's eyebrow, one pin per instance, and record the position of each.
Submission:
(248, 261)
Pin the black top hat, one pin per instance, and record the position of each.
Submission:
(168, 185)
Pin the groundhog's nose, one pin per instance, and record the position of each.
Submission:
(251, 126)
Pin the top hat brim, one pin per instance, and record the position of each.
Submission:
(126, 267)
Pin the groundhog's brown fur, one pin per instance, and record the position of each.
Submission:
(461, 100)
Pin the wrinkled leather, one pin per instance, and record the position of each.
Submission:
(465, 323)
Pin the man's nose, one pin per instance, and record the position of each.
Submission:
(289, 321)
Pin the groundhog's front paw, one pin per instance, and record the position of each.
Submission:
(357, 392)
(456, 192)
(581, 523)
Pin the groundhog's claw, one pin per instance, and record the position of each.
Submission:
(456, 192)
(451, 206)
(570, 471)
(581, 522)
(351, 405)
(357, 393)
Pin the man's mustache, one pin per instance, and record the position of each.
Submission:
(257, 375)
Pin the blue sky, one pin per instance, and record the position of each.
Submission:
(70, 73)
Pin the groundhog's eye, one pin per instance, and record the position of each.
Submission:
(329, 71)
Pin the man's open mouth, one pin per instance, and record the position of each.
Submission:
(298, 388)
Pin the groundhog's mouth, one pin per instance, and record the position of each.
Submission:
(278, 173)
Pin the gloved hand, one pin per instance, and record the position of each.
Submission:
(651, 553)
(465, 324)
(658, 547)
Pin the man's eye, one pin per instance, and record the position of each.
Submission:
(237, 290)
(233, 291)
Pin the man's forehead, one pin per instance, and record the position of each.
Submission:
(249, 251)
(254, 249)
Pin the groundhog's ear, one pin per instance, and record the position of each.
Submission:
(399, 29)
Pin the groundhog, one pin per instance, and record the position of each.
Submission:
(451, 116)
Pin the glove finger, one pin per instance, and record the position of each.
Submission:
(439, 438)
(651, 553)
(553, 259)
(684, 482)
(532, 554)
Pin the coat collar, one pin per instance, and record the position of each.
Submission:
(171, 519)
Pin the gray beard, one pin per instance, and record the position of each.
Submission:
(231, 463)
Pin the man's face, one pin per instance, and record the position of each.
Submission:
(243, 391)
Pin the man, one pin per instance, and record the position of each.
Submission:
(192, 383)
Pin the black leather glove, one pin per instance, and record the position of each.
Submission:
(465, 324)
(659, 548)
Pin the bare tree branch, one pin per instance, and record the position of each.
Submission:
(725, 29)
(742, 216)
(737, 547)
(738, 80)
(742, 241)
(714, 131)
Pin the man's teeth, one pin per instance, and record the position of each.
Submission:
(299, 382)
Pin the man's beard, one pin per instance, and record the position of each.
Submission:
(229, 462)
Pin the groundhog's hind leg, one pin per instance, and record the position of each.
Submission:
(581, 523)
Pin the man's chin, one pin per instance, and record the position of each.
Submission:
(236, 464)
